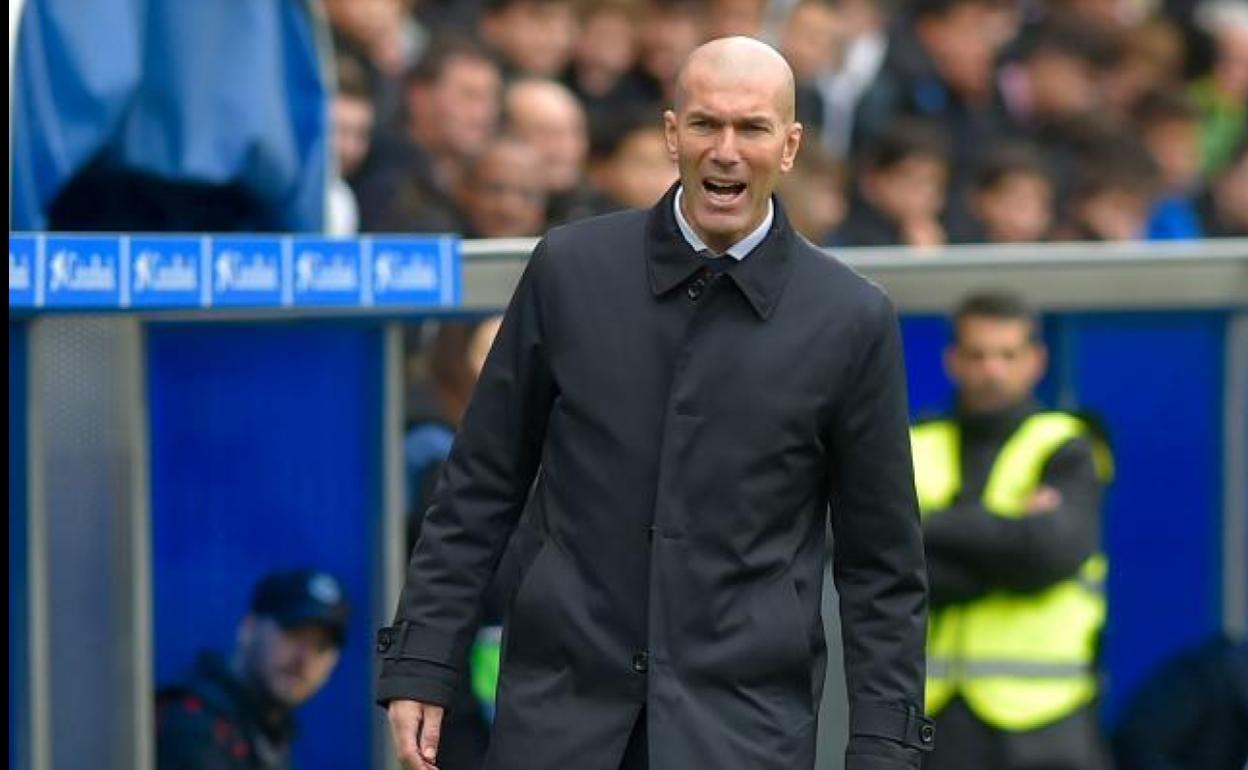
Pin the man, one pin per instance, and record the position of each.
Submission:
(453, 101)
(1010, 496)
(547, 116)
(235, 714)
(501, 194)
(693, 417)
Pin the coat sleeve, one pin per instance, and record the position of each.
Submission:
(878, 553)
(478, 502)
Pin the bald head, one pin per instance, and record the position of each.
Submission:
(738, 59)
(546, 115)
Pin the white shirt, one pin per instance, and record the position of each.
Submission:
(739, 250)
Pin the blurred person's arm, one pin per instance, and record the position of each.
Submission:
(952, 581)
(1037, 549)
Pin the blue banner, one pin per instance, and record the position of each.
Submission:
(22, 270)
(166, 272)
(327, 272)
(82, 272)
(192, 272)
(415, 271)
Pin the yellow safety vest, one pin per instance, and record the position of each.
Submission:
(1020, 661)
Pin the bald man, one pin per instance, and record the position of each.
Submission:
(547, 115)
(678, 401)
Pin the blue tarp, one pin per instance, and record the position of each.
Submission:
(214, 95)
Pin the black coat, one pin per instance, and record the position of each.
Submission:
(691, 430)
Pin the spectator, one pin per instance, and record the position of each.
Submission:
(1169, 124)
(1148, 57)
(501, 194)
(856, 65)
(602, 73)
(534, 38)
(1113, 193)
(1222, 95)
(1191, 714)
(813, 193)
(353, 116)
(726, 18)
(901, 190)
(236, 714)
(811, 40)
(385, 38)
(1013, 199)
(546, 115)
(1057, 97)
(670, 30)
(453, 103)
(632, 166)
(1224, 205)
(942, 67)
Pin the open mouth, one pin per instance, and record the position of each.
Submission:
(723, 193)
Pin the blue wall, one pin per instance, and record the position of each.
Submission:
(265, 451)
(19, 654)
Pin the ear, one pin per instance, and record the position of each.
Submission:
(1041, 360)
(792, 140)
(671, 131)
(950, 360)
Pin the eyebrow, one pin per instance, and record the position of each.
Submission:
(753, 119)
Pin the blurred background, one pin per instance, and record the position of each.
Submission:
(1089, 155)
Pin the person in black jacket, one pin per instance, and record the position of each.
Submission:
(679, 397)
(1191, 714)
(235, 713)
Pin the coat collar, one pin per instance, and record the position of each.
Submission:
(761, 276)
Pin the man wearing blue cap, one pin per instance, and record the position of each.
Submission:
(235, 713)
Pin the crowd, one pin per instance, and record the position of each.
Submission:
(926, 121)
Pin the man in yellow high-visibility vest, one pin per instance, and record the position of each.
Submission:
(1010, 495)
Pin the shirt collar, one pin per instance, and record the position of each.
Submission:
(761, 278)
(739, 250)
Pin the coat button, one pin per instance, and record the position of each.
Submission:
(695, 288)
(385, 638)
(641, 662)
(927, 733)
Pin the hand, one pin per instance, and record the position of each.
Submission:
(1043, 500)
(415, 728)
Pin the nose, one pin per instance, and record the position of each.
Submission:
(724, 151)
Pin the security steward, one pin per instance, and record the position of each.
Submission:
(235, 713)
(1010, 496)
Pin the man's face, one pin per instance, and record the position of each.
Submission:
(466, 105)
(536, 37)
(812, 40)
(505, 197)
(1017, 209)
(641, 170)
(962, 45)
(291, 664)
(994, 362)
(555, 127)
(911, 189)
(731, 142)
(1175, 145)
